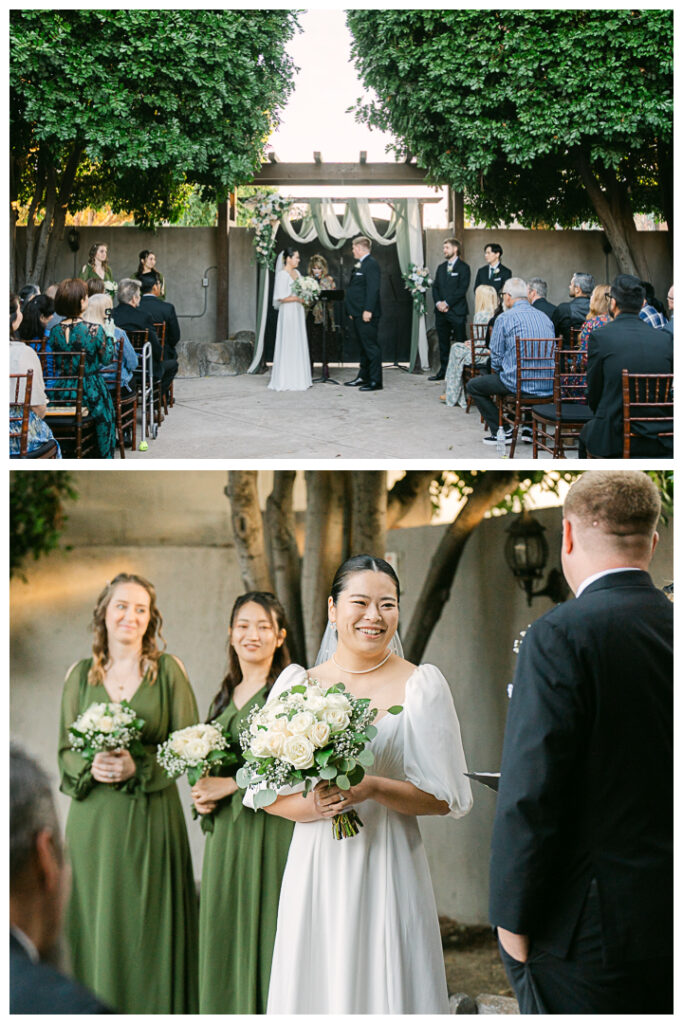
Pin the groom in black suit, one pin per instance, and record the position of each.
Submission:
(364, 310)
(449, 291)
(581, 885)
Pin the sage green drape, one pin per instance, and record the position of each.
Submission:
(244, 861)
(131, 922)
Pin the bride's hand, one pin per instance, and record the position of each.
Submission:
(330, 800)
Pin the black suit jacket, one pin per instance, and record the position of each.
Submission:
(135, 318)
(362, 292)
(38, 988)
(452, 288)
(586, 787)
(626, 343)
(570, 314)
(163, 312)
(545, 307)
(501, 275)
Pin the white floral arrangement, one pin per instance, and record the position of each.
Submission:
(266, 209)
(418, 281)
(196, 751)
(306, 734)
(110, 286)
(106, 726)
(306, 288)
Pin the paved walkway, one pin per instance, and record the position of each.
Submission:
(239, 418)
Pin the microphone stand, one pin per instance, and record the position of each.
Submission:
(327, 295)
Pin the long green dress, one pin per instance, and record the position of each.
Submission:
(131, 922)
(244, 861)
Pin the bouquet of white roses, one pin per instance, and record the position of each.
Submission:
(305, 734)
(106, 726)
(418, 281)
(306, 288)
(196, 752)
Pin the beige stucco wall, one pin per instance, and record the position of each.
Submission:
(174, 527)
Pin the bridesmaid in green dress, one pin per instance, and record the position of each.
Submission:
(245, 854)
(131, 922)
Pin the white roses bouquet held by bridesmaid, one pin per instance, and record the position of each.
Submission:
(198, 751)
(306, 734)
(106, 726)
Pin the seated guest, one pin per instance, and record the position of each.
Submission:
(572, 314)
(669, 325)
(129, 316)
(598, 314)
(36, 315)
(649, 312)
(148, 265)
(485, 302)
(96, 313)
(652, 299)
(161, 312)
(96, 287)
(537, 293)
(21, 359)
(449, 291)
(494, 273)
(39, 884)
(28, 292)
(519, 319)
(626, 343)
(51, 291)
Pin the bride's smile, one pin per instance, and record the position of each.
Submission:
(366, 615)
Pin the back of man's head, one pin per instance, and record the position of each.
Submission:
(615, 513)
(628, 293)
(32, 811)
(127, 290)
(516, 288)
(148, 283)
(585, 283)
(538, 285)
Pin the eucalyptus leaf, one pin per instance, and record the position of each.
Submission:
(366, 758)
(264, 798)
(356, 776)
(329, 772)
(322, 756)
(395, 709)
(370, 731)
(243, 777)
(343, 782)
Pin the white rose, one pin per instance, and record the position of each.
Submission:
(281, 726)
(338, 702)
(315, 702)
(196, 749)
(260, 745)
(178, 744)
(298, 750)
(314, 691)
(275, 742)
(336, 719)
(105, 724)
(320, 734)
(301, 723)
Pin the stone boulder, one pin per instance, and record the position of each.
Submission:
(496, 1004)
(216, 358)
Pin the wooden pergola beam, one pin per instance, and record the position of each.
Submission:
(277, 174)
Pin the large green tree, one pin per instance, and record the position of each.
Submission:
(541, 116)
(133, 107)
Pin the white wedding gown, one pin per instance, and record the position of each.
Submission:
(357, 928)
(291, 363)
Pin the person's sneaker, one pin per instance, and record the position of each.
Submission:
(526, 435)
(492, 439)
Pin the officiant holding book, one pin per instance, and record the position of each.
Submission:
(362, 306)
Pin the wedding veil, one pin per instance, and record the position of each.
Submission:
(329, 645)
(279, 265)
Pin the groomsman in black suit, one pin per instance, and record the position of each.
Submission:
(581, 884)
(494, 273)
(449, 291)
(364, 310)
(160, 311)
(39, 883)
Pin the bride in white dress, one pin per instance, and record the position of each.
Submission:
(291, 363)
(357, 927)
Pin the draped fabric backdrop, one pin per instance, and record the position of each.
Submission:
(404, 230)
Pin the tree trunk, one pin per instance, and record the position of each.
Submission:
(283, 556)
(488, 490)
(324, 551)
(53, 226)
(247, 525)
(617, 222)
(36, 203)
(410, 489)
(368, 512)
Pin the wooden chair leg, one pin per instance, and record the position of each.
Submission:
(534, 441)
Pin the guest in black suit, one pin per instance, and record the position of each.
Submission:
(627, 343)
(494, 273)
(574, 313)
(130, 316)
(537, 290)
(581, 884)
(451, 281)
(363, 308)
(160, 311)
(38, 892)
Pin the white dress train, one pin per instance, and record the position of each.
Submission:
(291, 363)
(357, 927)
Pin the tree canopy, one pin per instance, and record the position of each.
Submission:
(540, 116)
(133, 107)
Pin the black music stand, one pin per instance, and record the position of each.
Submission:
(327, 295)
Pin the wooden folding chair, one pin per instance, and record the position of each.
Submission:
(169, 401)
(556, 426)
(67, 417)
(535, 359)
(648, 400)
(476, 341)
(125, 404)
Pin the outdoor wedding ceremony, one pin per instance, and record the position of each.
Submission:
(244, 242)
(342, 741)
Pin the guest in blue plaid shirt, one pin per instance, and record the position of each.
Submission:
(520, 320)
(653, 311)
